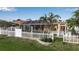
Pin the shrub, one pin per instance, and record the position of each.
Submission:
(46, 39)
(58, 39)
(73, 31)
(64, 43)
(49, 40)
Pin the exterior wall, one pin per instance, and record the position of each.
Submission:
(59, 27)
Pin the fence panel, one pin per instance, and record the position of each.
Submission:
(61, 34)
(4, 32)
(36, 35)
(58, 34)
(31, 35)
(11, 33)
(71, 39)
(41, 35)
(26, 34)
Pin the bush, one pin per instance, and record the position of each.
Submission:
(46, 39)
(58, 39)
(73, 31)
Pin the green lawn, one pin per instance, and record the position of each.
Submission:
(19, 44)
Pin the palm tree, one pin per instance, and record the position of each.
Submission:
(53, 18)
(71, 22)
(76, 16)
(50, 19)
(43, 19)
(74, 21)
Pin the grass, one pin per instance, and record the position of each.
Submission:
(59, 45)
(19, 44)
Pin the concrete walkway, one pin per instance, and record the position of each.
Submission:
(43, 43)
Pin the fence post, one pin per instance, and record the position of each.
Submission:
(63, 38)
(77, 39)
(52, 35)
(70, 37)
(0, 31)
(58, 34)
(31, 32)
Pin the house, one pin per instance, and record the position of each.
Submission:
(36, 26)
(19, 22)
(58, 28)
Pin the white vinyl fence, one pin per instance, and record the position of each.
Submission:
(36, 35)
(58, 34)
(11, 33)
(71, 39)
(4, 32)
(30, 35)
(7, 32)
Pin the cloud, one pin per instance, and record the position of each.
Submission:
(7, 9)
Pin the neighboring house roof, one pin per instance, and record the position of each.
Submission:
(19, 22)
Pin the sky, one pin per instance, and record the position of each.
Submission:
(13, 13)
